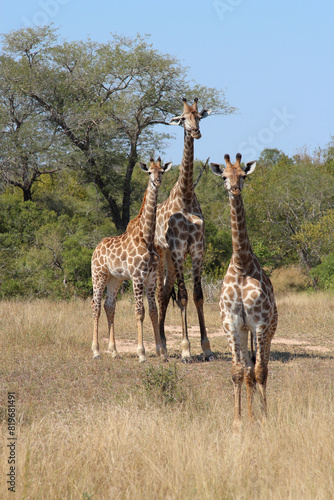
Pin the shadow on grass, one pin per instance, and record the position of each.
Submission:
(282, 356)
(286, 357)
(199, 358)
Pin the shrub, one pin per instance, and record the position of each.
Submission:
(163, 384)
(324, 273)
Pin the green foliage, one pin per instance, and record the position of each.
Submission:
(324, 273)
(316, 238)
(77, 261)
(328, 156)
(94, 105)
(44, 252)
(282, 200)
(218, 251)
(163, 384)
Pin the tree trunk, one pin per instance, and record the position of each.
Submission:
(27, 196)
(127, 188)
(115, 215)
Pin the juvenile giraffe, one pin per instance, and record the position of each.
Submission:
(131, 255)
(180, 231)
(247, 301)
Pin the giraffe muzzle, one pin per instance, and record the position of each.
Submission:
(196, 134)
(235, 191)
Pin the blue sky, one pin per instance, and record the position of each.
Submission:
(274, 61)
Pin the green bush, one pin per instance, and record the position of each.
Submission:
(77, 261)
(324, 273)
(163, 384)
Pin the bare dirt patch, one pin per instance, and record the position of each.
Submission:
(174, 333)
(301, 343)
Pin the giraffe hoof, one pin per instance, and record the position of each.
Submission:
(237, 426)
(161, 351)
(187, 361)
(162, 355)
(209, 358)
(97, 356)
(142, 359)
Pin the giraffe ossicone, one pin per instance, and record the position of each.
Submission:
(131, 255)
(247, 303)
(179, 232)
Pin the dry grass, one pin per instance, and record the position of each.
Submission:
(289, 278)
(88, 429)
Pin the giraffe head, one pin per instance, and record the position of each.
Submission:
(233, 175)
(155, 171)
(190, 118)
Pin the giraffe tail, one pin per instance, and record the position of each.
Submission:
(173, 296)
(253, 355)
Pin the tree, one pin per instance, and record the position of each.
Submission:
(328, 155)
(29, 148)
(103, 100)
(323, 274)
(283, 202)
(272, 156)
(316, 238)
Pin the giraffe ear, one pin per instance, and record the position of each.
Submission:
(177, 120)
(205, 113)
(167, 166)
(143, 166)
(216, 168)
(250, 167)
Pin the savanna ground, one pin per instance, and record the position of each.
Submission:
(109, 429)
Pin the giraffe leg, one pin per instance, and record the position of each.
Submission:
(263, 396)
(164, 292)
(271, 330)
(198, 299)
(109, 306)
(261, 366)
(161, 295)
(99, 283)
(178, 250)
(235, 341)
(249, 374)
(237, 373)
(150, 293)
(182, 303)
(138, 288)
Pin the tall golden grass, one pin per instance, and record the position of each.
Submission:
(88, 429)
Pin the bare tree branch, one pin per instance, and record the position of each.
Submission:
(201, 172)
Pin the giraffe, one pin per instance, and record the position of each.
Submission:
(180, 231)
(247, 302)
(131, 255)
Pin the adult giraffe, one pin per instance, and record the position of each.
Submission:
(247, 301)
(131, 255)
(179, 232)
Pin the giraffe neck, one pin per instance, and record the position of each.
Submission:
(148, 214)
(186, 183)
(242, 251)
